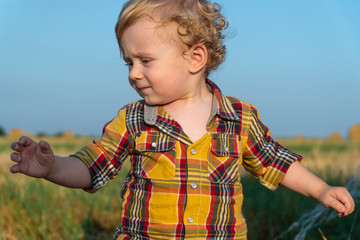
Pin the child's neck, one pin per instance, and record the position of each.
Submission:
(192, 113)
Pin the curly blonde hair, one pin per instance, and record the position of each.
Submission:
(198, 22)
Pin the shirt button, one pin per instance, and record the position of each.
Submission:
(193, 185)
(193, 151)
(153, 144)
(190, 219)
(226, 149)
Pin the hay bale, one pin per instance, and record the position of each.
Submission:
(299, 137)
(68, 134)
(17, 132)
(335, 136)
(354, 132)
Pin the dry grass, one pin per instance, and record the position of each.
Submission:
(340, 157)
(36, 208)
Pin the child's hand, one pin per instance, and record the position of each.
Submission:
(337, 198)
(32, 158)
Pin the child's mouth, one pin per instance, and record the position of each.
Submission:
(141, 89)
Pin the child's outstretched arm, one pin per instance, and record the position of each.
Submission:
(38, 160)
(301, 180)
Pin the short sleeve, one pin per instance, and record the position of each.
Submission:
(265, 158)
(105, 157)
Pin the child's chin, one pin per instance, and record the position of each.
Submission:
(151, 102)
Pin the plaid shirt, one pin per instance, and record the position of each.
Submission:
(178, 189)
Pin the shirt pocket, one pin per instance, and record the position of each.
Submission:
(156, 153)
(223, 159)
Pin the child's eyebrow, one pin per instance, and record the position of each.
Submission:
(126, 58)
(139, 54)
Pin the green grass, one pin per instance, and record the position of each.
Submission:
(311, 146)
(5, 147)
(70, 146)
(269, 214)
(301, 148)
(333, 147)
(36, 209)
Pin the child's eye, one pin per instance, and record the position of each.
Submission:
(145, 60)
(128, 64)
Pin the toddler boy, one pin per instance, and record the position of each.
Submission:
(186, 140)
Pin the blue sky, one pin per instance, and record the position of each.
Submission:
(297, 61)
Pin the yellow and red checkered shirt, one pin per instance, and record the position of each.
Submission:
(178, 189)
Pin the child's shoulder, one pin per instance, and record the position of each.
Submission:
(135, 108)
(237, 104)
(139, 105)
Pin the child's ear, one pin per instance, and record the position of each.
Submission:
(198, 58)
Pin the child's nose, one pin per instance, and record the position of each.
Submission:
(135, 73)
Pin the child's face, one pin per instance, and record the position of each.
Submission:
(158, 69)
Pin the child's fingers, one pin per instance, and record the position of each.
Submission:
(16, 157)
(15, 168)
(338, 206)
(348, 202)
(45, 147)
(21, 144)
(343, 202)
(16, 147)
(25, 141)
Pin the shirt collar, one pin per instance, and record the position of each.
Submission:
(150, 114)
(221, 106)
